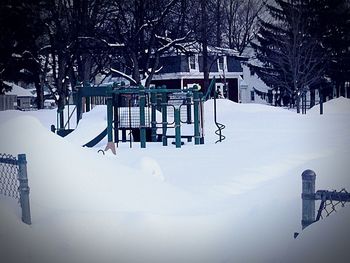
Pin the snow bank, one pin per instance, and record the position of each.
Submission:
(235, 201)
(92, 124)
(339, 105)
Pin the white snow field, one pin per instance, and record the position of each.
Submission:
(234, 201)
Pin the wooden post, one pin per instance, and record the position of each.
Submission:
(24, 189)
(308, 198)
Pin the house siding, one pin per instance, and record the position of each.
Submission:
(233, 65)
(185, 67)
(212, 64)
(171, 64)
(233, 89)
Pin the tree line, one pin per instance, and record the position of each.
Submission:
(300, 44)
(59, 43)
(304, 45)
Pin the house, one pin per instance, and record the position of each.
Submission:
(180, 70)
(254, 90)
(25, 98)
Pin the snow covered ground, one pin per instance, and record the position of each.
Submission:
(235, 201)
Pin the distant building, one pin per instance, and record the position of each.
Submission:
(254, 90)
(24, 97)
(181, 71)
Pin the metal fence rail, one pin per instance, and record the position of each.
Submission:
(14, 182)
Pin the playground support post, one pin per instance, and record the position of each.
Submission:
(24, 189)
(308, 198)
(110, 144)
(115, 117)
(142, 96)
(188, 107)
(177, 128)
(196, 101)
(153, 116)
(201, 119)
(164, 119)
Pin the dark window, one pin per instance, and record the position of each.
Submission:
(221, 63)
(193, 62)
(252, 72)
(252, 95)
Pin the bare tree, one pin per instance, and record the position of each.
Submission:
(290, 58)
(146, 29)
(241, 19)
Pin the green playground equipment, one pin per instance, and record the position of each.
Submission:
(134, 110)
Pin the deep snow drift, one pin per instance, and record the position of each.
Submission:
(235, 201)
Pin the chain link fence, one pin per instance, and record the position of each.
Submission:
(14, 182)
(8, 180)
(330, 201)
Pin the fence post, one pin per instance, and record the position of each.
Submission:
(308, 198)
(24, 189)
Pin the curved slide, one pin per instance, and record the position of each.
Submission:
(97, 139)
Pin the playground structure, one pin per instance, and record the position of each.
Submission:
(136, 114)
(132, 113)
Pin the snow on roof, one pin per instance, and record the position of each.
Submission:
(195, 47)
(18, 90)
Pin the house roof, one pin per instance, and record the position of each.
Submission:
(195, 47)
(18, 90)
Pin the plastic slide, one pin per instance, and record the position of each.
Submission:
(97, 139)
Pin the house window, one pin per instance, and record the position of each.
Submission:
(193, 62)
(222, 64)
(252, 72)
(252, 95)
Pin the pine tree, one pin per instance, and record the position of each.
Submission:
(332, 27)
(291, 60)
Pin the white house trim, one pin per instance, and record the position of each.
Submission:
(194, 75)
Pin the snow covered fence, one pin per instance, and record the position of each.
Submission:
(329, 199)
(14, 181)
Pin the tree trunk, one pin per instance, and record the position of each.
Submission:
(204, 40)
(39, 94)
(218, 23)
(312, 98)
(135, 70)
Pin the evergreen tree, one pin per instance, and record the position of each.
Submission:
(18, 49)
(331, 25)
(292, 59)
